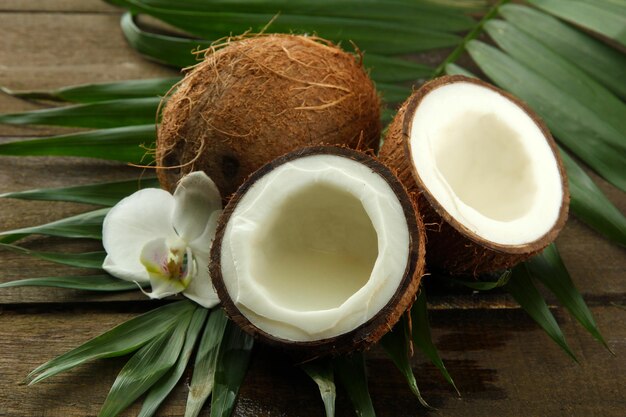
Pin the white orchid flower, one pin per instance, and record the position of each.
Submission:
(164, 239)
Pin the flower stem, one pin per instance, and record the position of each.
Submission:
(473, 34)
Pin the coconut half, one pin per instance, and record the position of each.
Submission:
(488, 170)
(320, 250)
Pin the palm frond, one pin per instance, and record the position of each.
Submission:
(104, 194)
(90, 93)
(321, 372)
(102, 114)
(121, 340)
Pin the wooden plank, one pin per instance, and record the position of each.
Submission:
(65, 49)
(64, 6)
(503, 364)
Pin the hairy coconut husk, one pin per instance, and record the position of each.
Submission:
(253, 99)
(369, 332)
(451, 247)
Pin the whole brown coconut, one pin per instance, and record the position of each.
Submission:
(483, 158)
(253, 99)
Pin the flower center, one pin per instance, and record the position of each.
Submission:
(170, 266)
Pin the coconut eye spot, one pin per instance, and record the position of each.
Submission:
(317, 251)
(485, 164)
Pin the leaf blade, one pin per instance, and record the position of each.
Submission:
(548, 267)
(375, 36)
(351, 373)
(597, 59)
(396, 345)
(146, 367)
(90, 93)
(167, 49)
(120, 340)
(161, 389)
(103, 114)
(232, 363)
(205, 363)
(104, 194)
(85, 226)
(321, 372)
(590, 204)
(102, 283)
(522, 289)
(422, 337)
(386, 69)
(92, 260)
(420, 14)
(600, 16)
(126, 144)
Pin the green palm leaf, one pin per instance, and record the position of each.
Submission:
(102, 114)
(321, 372)
(79, 260)
(602, 111)
(104, 194)
(166, 49)
(485, 285)
(206, 363)
(350, 369)
(590, 204)
(177, 51)
(392, 93)
(146, 367)
(231, 366)
(396, 345)
(164, 386)
(422, 336)
(386, 69)
(90, 93)
(376, 36)
(103, 283)
(453, 69)
(597, 59)
(127, 144)
(548, 268)
(120, 340)
(86, 225)
(572, 122)
(420, 14)
(607, 17)
(521, 287)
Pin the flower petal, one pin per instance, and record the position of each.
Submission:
(124, 273)
(201, 246)
(129, 225)
(196, 198)
(200, 288)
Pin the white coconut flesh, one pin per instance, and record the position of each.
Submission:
(315, 248)
(487, 163)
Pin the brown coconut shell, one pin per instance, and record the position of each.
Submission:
(253, 99)
(452, 247)
(369, 332)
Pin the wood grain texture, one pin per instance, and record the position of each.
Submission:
(502, 362)
(62, 6)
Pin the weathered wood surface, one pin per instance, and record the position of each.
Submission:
(502, 362)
